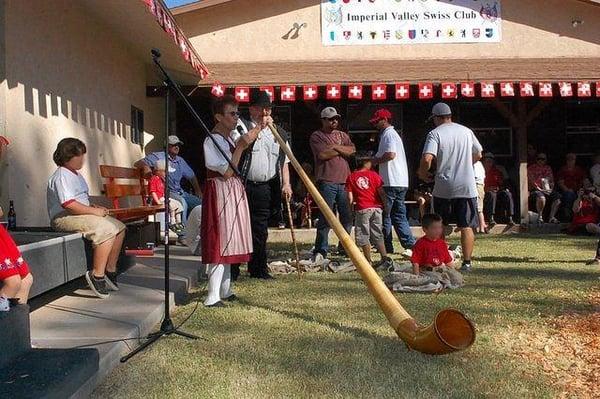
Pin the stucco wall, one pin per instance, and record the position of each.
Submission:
(251, 30)
(67, 76)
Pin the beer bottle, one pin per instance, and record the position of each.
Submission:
(12, 217)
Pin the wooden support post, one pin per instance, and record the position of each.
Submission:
(522, 120)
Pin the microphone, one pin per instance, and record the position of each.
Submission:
(240, 129)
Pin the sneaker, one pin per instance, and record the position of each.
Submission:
(407, 253)
(110, 278)
(318, 259)
(466, 267)
(216, 305)
(4, 304)
(97, 285)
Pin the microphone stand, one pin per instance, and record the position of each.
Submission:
(167, 327)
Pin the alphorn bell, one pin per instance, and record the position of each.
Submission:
(450, 331)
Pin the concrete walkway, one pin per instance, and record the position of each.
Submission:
(73, 317)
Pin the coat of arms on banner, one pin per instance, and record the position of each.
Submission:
(489, 11)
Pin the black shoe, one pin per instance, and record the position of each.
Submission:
(216, 305)
(110, 278)
(491, 223)
(231, 298)
(97, 285)
(262, 276)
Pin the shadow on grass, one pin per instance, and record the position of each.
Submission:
(555, 274)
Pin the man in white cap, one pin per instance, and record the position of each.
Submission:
(331, 148)
(455, 149)
(178, 169)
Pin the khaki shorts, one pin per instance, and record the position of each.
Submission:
(480, 197)
(97, 229)
(368, 226)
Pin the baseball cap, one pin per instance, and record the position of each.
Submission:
(381, 113)
(329, 112)
(489, 155)
(174, 140)
(441, 109)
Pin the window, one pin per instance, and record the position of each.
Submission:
(582, 126)
(137, 126)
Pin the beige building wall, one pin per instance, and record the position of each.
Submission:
(252, 30)
(67, 75)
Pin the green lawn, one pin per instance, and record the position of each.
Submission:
(324, 336)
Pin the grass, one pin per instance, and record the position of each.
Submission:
(325, 337)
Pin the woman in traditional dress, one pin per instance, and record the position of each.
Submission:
(225, 231)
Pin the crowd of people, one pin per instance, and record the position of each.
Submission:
(248, 172)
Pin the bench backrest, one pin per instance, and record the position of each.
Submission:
(114, 191)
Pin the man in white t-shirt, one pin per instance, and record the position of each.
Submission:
(393, 169)
(455, 149)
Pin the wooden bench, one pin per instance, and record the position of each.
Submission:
(116, 191)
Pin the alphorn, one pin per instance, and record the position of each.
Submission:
(450, 330)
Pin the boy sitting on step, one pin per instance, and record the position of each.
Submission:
(157, 191)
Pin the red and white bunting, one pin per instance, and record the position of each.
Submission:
(584, 89)
(288, 93)
(488, 90)
(217, 90)
(449, 90)
(310, 92)
(598, 89)
(334, 91)
(425, 91)
(270, 91)
(355, 92)
(467, 89)
(566, 89)
(242, 94)
(526, 89)
(402, 91)
(545, 89)
(379, 91)
(507, 89)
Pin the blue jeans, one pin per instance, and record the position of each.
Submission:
(335, 195)
(395, 215)
(189, 202)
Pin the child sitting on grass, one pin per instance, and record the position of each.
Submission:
(157, 191)
(365, 190)
(431, 250)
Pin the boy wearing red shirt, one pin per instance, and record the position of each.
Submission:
(431, 251)
(365, 191)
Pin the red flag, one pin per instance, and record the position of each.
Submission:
(355, 92)
(310, 92)
(288, 93)
(334, 91)
(584, 89)
(526, 89)
(218, 90)
(425, 91)
(488, 90)
(402, 91)
(270, 91)
(545, 89)
(242, 94)
(449, 90)
(598, 89)
(566, 89)
(467, 89)
(378, 91)
(507, 89)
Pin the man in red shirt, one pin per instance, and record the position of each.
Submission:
(569, 180)
(365, 191)
(431, 250)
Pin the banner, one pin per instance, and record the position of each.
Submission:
(363, 22)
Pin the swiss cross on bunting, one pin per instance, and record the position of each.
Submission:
(584, 89)
(507, 89)
(310, 92)
(355, 92)
(526, 89)
(467, 89)
(333, 91)
(379, 91)
(288, 93)
(545, 89)
(488, 90)
(449, 90)
(402, 91)
(566, 89)
(242, 94)
(270, 91)
(217, 90)
(425, 91)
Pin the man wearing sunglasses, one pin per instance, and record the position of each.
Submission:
(331, 148)
(178, 169)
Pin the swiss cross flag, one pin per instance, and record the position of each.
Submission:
(467, 89)
(507, 89)
(545, 89)
(379, 91)
(425, 91)
(270, 91)
(288, 93)
(584, 89)
(355, 92)
(310, 92)
(402, 91)
(242, 94)
(449, 90)
(217, 90)
(334, 91)
(598, 89)
(526, 89)
(566, 89)
(488, 90)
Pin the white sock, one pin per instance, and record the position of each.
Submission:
(4, 304)
(226, 282)
(215, 277)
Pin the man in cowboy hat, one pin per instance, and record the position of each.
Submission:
(265, 171)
